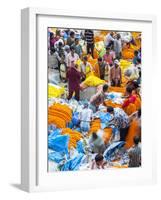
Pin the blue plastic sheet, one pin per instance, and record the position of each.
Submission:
(59, 143)
(111, 149)
(73, 164)
(56, 156)
(75, 119)
(105, 117)
(54, 133)
(80, 147)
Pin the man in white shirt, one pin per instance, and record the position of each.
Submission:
(109, 39)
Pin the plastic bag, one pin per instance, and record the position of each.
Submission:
(80, 147)
(56, 157)
(111, 149)
(59, 143)
(73, 164)
(75, 119)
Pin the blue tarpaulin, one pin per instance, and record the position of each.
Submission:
(59, 143)
(111, 149)
(73, 164)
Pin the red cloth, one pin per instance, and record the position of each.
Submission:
(131, 99)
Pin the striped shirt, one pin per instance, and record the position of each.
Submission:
(89, 35)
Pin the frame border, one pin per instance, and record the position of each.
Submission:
(29, 146)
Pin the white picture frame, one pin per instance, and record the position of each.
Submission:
(33, 178)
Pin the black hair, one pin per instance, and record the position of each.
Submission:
(110, 109)
(52, 50)
(105, 87)
(139, 113)
(107, 48)
(72, 33)
(136, 53)
(60, 44)
(72, 48)
(136, 140)
(94, 135)
(76, 39)
(98, 157)
(135, 84)
(99, 59)
(85, 58)
(129, 89)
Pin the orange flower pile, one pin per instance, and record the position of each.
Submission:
(95, 126)
(117, 89)
(59, 115)
(75, 136)
(107, 135)
(133, 131)
(114, 105)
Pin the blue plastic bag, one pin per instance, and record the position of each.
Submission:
(75, 119)
(111, 149)
(73, 164)
(59, 143)
(105, 117)
(56, 156)
(80, 147)
(54, 133)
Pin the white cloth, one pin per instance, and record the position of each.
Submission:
(108, 39)
(86, 114)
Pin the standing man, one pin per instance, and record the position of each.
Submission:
(86, 67)
(100, 68)
(73, 77)
(118, 46)
(109, 40)
(89, 37)
(116, 74)
(72, 57)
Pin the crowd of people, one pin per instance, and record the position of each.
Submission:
(73, 54)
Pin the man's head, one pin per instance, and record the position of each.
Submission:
(67, 48)
(112, 33)
(99, 159)
(72, 49)
(105, 88)
(110, 109)
(136, 53)
(60, 44)
(118, 36)
(85, 59)
(72, 34)
(94, 135)
(116, 63)
(136, 140)
(76, 41)
(99, 60)
(129, 90)
(107, 50)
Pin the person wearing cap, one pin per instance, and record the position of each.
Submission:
(116, 74)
